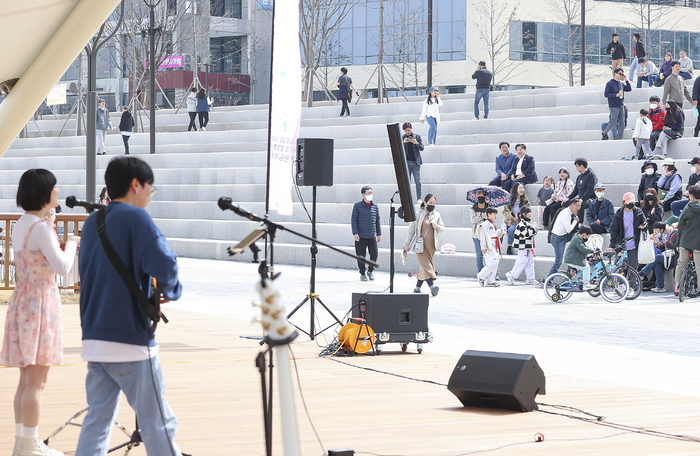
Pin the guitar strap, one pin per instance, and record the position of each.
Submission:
(151, 310)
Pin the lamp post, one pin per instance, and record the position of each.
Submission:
(430, 44)
(152, 71)
(583, 42)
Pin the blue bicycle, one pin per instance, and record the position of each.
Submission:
(622, 267)
(613, 287)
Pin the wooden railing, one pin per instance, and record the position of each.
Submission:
(6, 219)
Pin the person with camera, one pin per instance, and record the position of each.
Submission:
(412, 147)
(483, 89)
(615, 93)
(118, 336)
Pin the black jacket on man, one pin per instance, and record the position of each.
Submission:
(617, 50)
(640, 49)
(617, 229)
(416, 149)
(584, 188)
(483, 78)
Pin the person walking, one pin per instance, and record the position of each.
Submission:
(33, 338)
(428, 225)
(639, 53)
(118, 338)
(366, 230)
(490, 240)
(126, 127)
(431, 114)
(345, 89)
(525, 233)
(688, 237)
(412, 147)
(675, 88)
(615, 93)
(192, 108)
(203, 106)
(483, 89)
(478, 215)
(102, 124)
(617, 51)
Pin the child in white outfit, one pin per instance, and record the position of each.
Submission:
(525, 234)
(489, 237)
(642, 132)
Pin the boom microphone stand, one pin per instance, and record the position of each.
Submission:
(272, 227)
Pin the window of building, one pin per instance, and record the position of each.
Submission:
(226, 54)
(227, 8)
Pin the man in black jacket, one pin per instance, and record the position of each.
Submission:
(617, 51)
(412, 147)
(629, 221)
(696, 97)
(366, 230)
(585, 186)
(483, 86)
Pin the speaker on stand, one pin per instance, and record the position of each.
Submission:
(314, 168)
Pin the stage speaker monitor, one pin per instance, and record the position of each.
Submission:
(491, 379)
(314, 166)
(392, 312)
(401, 170)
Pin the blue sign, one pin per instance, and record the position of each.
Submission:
(265, 4)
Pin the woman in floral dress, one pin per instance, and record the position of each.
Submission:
(33, 339)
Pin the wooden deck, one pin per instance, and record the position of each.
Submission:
(214, 388)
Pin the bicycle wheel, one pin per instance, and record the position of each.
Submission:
(614, 288)
(558, 287)
(689, 284)
(633, 279)
(596, 278)
(693, 292)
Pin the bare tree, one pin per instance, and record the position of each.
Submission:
(649, 16)
(405, 45)
(494, 32)
(320, 20)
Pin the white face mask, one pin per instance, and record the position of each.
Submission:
(599, 194)
(369, 197)
(653, 106)
(692, 169)
(649, 171)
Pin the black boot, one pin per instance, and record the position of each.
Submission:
(510, 250)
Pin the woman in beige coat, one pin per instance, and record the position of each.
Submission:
(428, 225)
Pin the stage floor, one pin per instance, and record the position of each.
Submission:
(214, 387)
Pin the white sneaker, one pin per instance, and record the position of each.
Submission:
(658, 290)
(589, 286)
(203, 129)
(533, 282)
(32, 446)
(510, 278)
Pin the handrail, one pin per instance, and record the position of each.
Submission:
(6, 219)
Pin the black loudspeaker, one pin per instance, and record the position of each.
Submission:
(392, 312)
(401, 171)
(314, 162)
(490, 379)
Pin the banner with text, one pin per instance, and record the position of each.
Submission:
(57, 95)
(285, 107)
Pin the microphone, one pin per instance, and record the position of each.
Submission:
(72, 202)
(225, 203)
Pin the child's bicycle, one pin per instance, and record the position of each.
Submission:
(613, 287)
(622, 267)
(688, 287)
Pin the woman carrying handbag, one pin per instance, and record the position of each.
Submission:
(425, 231)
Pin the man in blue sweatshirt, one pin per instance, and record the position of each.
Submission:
(615, 93)
(366, 230)
(118, 340)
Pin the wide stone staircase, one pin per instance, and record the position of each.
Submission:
(194, 169)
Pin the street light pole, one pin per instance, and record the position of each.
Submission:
(430, 43)
(152, 72)
(583, 42)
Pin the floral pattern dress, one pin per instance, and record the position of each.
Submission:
(33, 329)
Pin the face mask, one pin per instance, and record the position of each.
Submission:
(481, 199)
(599, 194)
(369, 197)
(584, 240)
(430, 207)
(649, 197)
(653, 106)
(649, 171)
(692, 169)
(629, 206)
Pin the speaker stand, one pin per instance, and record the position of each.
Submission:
(313, 297)
(392, 223)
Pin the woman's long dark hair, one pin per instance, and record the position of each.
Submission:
(647, 205)
(524, 201)
(202, 93)
(673, 113)
(568, 174)
(430, 98)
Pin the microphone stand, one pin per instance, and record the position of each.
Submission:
(272, 228)
(392, 216)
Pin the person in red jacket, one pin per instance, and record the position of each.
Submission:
(658, 117)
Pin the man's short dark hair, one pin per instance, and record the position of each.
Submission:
(695, 191)
(344, 70)
(574, 201)
(365, 188)
(660, 226)
(35, 187)
(491, 210)
(121, 171)
(520, 145)
(502, 143)
(619, 70)
(482, 63)
(642, 60)
(654, 98)
(406, 125)
(525, 210)
(675, 62)
(580, 161)
(583, 229)
(615, 34)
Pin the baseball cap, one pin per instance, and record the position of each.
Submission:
(599, 186)
(629, 198)
(694, 161)
(668, 161)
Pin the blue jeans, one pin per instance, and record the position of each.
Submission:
(633, 66)
(414, 170)
(559, 244)
(678, 206)
(479, 255)
(485, 94)
(142, 382)
(650, 78)
(432, 132)
(617, 119)
(685, 75)
(511, 234)
(658, 267)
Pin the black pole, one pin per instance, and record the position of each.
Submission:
(583, 42)
(392, 215)
(314, 250)
(152, 74)
(90, 130)
(206, 77)
(430, 43)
